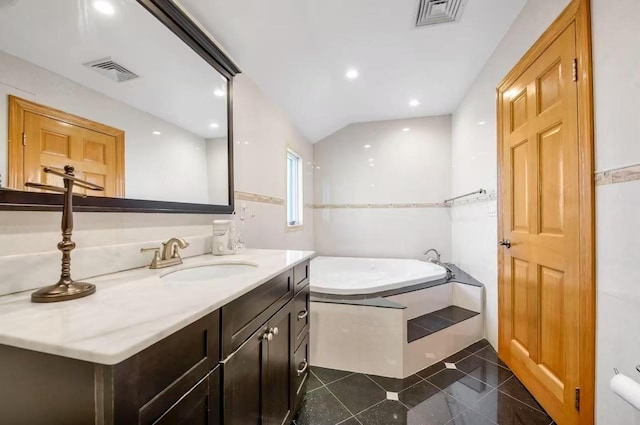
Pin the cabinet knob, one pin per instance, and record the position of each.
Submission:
(275, 331)
(304, 313)
(268, 335)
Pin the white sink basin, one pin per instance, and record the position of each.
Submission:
(208, 272)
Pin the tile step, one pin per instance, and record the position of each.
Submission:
(436, 321)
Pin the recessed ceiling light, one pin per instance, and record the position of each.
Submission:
(406, 129)
(370, 159)
(372, 165)
(214, 125)
(481, 122)
(104, 7)
(218, 92)
(351, 74)
(156, 133)
(367, 146)
(414, 102)
(246, 143)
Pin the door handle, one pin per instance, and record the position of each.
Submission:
(304, 313)
(505, 242)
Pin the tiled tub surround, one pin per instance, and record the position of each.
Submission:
(369, 335)
(354, 194)
(473, 388)
(131, 310)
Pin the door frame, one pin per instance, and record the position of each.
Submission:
(15, 164)
(579, 13)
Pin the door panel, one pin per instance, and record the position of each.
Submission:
(53, 143)
(243, 376)
(539, 280)
(278, 398)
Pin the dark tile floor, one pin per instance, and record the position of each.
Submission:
(473, 388)
(436, 321)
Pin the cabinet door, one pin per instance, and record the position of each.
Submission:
(278, 395)
(243, 376)
(200, 406)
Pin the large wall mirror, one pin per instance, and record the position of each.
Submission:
(131, 93)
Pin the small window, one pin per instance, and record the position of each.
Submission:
(294, 189)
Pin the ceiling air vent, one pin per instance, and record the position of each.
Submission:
(112, 70)
(433, 12)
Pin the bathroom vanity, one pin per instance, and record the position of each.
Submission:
(150, 350)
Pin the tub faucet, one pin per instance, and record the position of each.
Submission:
(433, 250)
(436, 260)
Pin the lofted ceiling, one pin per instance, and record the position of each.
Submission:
(298, 52)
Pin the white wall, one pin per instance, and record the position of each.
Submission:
(617, 144)
(410, 167)
(474, 226)
(260, 170)
(616, 34)
(148, 158)
(262, 133)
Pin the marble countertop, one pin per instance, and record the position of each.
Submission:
(132, 310)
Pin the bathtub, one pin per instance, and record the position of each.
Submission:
(353, 276)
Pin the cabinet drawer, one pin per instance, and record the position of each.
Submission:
(150, 382)
(301, 373)
(301, 314)
(301, 275)
(200, 406)
(244, 316)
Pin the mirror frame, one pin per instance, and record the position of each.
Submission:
(174, 18)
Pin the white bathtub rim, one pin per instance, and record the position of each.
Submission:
(391, 285)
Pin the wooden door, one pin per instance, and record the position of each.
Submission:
(44, 137)
(278, 396)
(540, 217)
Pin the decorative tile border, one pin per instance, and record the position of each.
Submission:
(618, 175)
(255, 197)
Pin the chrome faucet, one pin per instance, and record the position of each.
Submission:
(432, 250)
(436, 260)
(168, 255)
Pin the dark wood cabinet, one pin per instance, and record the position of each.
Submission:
(245, 364)
(301, 373)
(277, 395)
(199, 406)
(257, 377)
(146, 385)
(242, 381)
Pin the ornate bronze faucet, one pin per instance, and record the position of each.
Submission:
(66, 288)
